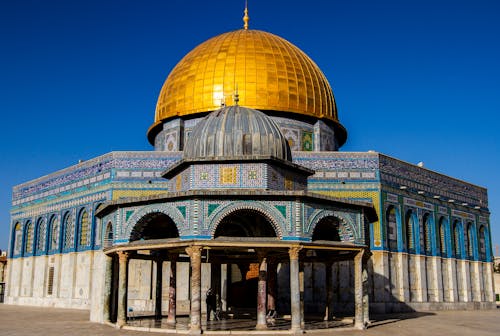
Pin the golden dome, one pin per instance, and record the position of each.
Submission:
(268, 72)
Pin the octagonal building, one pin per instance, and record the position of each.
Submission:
(247, 199)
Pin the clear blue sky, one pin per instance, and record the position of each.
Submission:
(415, 79)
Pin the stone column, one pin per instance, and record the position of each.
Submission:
(366, 302)
(271, 284)
(194, 253)
(215, 283)
(295, 289)
(262, 291)
(121, 319)
(108, 271)
(172, 291)
(358, 291)
(159, 285)
(329, 291)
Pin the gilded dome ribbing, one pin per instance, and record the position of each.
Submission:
(269, 73)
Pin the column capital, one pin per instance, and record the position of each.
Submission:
(123, 256)
(359, 255)
(293, 252)
(194, 251)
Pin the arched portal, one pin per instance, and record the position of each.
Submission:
(155, 225)
(245, 223)
(243, 274)
(327, 229)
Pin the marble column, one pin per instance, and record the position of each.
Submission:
(358, 291)
(271, 284)
(194, 253)
(293, 253)
(172, 291)
(159, 287)
(215, 284)
(262, 291)
(329, 291)
(121, 319)
(108, 269)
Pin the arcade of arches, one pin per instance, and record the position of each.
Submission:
(241, 263)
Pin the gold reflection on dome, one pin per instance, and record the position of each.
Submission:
(269, 73)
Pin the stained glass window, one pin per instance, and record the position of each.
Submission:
(410, 244)
(18, 238)
(84, 228)
(442, 237)
(28, 246)
(54, 234)
(456, 239)
(427, 235)
(69, 231)
(41, 235)
(469, 238)
(392, 234)
(482, 243)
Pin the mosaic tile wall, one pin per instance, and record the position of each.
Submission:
(237, 176)
(301, 136)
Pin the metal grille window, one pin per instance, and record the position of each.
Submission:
(50, 281)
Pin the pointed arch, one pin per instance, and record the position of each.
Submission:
(410, 231)
(54, 234)
(443, 237)
(41, 236)
(83, 228)
(457, 241)
(68, 227)
(269, 213)
(17, 239)
(427, 231)
(155, 225)
(392, 236)
(28, 238)
(107, 239)
(347, 229)
(245, 223)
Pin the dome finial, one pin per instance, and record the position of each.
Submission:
(246, 18)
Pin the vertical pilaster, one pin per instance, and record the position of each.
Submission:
(293, 253)
(194, 253)
(122, 288)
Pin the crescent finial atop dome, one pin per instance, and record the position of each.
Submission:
(246, 18)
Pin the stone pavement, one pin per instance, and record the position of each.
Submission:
(17, 321)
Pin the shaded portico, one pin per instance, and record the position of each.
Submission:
(235, 250)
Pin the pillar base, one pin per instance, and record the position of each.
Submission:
(359, 325)
(261, 326)
(297, 331)
(195, 332)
